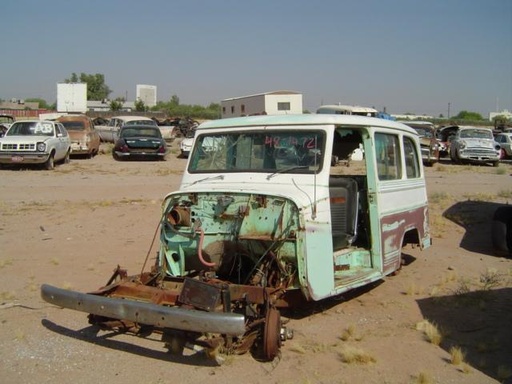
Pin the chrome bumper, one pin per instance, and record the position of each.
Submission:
(146, 313)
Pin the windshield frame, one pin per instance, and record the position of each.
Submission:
(259, 150)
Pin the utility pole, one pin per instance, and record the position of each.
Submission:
(449, 104)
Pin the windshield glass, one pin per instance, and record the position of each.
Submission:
(29, 128)
(476, 134)
(140, 122)
(140, 132)
(261, 151)
(74, 125)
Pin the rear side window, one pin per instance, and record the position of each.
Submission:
(412, 166)
(389, 165)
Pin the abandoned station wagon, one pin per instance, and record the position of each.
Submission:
(263, 222)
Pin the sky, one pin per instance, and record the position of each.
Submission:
(405, 56)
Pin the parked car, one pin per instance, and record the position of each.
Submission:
(505, 141)
(428, 140)
(444, 137)
(35, 142)
(474, 145)
(110, 133)
(186, 143)
(85, 140)
(5, 122)
(140, 141)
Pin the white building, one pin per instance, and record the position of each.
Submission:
(269, 103)
(146, 93)
(72, 97)
(504, 113)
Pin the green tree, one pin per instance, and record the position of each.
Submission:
(140, 106)
(467, 115)
(42, 103)
(116, 105)
(96, 87)
(175, 101)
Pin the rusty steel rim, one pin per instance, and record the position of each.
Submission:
(271, 334)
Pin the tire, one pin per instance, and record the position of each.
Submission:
(66, 158)
(495, 163)
(501, 231)
(49, 164)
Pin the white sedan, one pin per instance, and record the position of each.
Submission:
(35, 142)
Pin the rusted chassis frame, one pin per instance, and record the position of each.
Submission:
(186, 305)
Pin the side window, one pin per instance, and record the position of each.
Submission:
(62, 130)
(389, 165)
(412, 167)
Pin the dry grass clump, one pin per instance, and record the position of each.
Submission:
(67, 285)
(351, 355)
(5, 263)
(431, 331)
(423, 378)
(20, 335)
(412, 289)
(491, 279)
(350, 333)
(54, 261)
(505, 193)
(501, 170)
(456, 355)
(7, 296)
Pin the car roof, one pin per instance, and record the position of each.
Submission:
(34, 121)
(304, 119)
(131, 118)
(145, 126)
(72, 117)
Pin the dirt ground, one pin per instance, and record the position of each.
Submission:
(72, 226)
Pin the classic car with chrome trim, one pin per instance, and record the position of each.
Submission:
(141, 142)
(474, 145)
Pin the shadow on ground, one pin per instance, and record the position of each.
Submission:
(107, 339)
(480, 323)
(476, 219)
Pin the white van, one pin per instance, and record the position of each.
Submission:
(347, 110)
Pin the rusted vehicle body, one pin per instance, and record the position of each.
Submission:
(5, 123)
(262, 222)
(85, 140)
(428, 141)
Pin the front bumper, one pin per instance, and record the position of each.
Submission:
(141, 154)
(478, 155)
(225, 323)
(23, 157)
